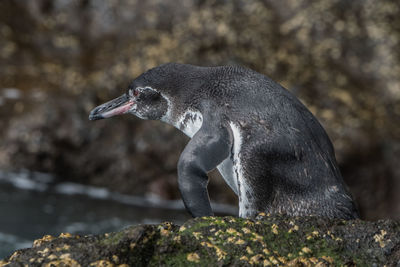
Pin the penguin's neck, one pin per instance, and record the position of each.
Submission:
(189, 121)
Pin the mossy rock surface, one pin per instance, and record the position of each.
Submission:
(225, 241)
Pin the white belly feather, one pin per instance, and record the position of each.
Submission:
(243, 188)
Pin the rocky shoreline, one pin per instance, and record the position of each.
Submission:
(225, 241)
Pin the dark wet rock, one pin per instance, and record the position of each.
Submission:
(222, 241)
(340, 57)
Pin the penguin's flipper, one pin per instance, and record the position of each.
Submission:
(205, 151)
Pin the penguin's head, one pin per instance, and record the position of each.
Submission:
(143, 102)
(150, 95)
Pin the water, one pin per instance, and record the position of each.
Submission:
(32, 206)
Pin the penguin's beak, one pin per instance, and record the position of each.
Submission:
(117, 106)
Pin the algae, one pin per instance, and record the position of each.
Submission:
(226, 241)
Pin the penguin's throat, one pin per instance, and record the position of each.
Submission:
(189, 122)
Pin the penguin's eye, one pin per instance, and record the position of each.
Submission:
(134, 92)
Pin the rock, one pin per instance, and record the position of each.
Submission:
(221, 241)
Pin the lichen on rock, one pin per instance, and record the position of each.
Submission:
(220, 241)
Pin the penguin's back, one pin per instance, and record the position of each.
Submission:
(283, 151)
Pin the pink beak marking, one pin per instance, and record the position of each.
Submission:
(119, 110)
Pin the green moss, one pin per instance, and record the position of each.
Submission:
(234, 241)
(111, 239)
(307, 243)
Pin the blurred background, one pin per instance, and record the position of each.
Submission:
(60, 58)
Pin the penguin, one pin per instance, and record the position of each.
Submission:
(268, 147)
